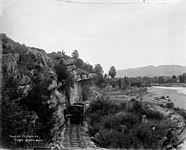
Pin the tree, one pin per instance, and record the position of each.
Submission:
(61, 71)
(182, 77)
(85, 66)
(98, 70)
(14, 119)
(112, 72)
(88, 67)
(161, 80)
(79, 63)
(126, 83)
(119, 82)
(174, 78)
(105, 76)
(75, 54)
(100, 82)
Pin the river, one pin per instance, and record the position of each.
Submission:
(176, 94)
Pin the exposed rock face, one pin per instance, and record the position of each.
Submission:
(58, 100)
(53, 85)
(76, 93)
(10, 62)
(25, 80)
(69, 62)
(16, 61)
(79, 76)
(41, 55)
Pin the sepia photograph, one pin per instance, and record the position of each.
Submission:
(92, 75)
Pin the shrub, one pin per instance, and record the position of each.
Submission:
(94, 129)
(130, 119)
(122, 119)
(181, 112)
(103, 107)
(94, 118)
(112, 122)
(152, 114)
(170, 105)
(150, 134)
(113, 128)
(135, 107)
(146, 136)
(141, 109)
(107, 123)
(114, 139)
(123, 106)
(109, 138)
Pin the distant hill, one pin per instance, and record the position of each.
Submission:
(151, 71)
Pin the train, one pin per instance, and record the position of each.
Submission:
(77, 113)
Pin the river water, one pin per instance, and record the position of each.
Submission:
(176, 94)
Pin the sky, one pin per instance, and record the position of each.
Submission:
(128, 35)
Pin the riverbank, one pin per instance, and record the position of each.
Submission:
(153, 94)
(177, 95)
(169, 84)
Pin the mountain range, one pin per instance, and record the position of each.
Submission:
(151, 71)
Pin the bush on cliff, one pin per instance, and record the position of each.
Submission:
(64, 77)
(61, 71)
(30, 113)
(14, 119)
(37, 101)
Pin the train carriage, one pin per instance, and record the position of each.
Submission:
(77, 113)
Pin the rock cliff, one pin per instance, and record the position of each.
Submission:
(9, 62)
(31, 66)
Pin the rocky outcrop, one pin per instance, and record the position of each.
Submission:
(79, 76)
(32, 64)
(76, 93)
(58, 101)
(9, 62)
(41, 55)
(25, 80)
(69, 62)
(57, 56)
(25, 85)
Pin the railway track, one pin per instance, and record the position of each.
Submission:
(72, 137)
